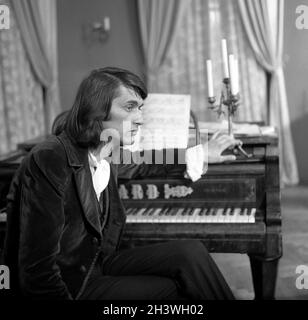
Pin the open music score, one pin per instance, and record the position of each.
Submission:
(165, 122)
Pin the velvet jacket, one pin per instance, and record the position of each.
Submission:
(54, 235)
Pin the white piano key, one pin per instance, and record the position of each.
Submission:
(245, 216)
(252, 217)
(228, 215)
(235, 217)
(219, 215)
(162, 216)
(129, 215)
(167, 217)
(140, 217)
(179, 215)
(214, 215)
(195, 216)
(209, 216)
(185, 215)
(203, 212)
(154, 217)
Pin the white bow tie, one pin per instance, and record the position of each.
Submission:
(101, 175)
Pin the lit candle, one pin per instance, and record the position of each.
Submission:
(210, 87)
(236, 77)
(232, 74)
(107, 23)
(224, 53)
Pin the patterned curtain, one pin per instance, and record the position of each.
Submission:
(26, 109)
(21, 95)
(198, 38)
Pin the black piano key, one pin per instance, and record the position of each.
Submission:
(147, 211)
(203, 212)
(164, 211)
(129, 210)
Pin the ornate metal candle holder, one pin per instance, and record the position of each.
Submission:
(226, 99)
(231, 102)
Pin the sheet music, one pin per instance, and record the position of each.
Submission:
(166, 122)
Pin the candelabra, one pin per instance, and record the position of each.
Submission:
(230, 102)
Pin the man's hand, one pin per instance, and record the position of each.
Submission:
(216, 145)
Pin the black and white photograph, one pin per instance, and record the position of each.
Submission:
(153, 151)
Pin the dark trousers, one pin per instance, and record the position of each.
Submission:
(180, 269)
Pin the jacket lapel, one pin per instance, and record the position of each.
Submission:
(78, 160)
(88, 198)
(114, 200)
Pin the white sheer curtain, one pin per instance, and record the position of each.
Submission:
(203, 25)
(158, 21)
(263, 21)
(48, 11)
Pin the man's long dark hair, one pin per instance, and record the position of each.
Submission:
(93, 103)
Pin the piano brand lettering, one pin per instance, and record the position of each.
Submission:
(4, 277)
(4, 17)
(137, 191)
(152, 192)
(123, 192)
(301, 21)
(301, 281)
(177, 191)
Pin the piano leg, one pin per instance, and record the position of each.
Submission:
(264, 275)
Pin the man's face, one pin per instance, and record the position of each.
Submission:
(125, 115)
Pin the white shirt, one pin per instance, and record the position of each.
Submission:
(100, 171)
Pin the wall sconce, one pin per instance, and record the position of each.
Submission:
(101, 30)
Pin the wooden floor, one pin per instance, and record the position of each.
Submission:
(236, 269)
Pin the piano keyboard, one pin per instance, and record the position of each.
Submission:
(190, 215)
(185, 215)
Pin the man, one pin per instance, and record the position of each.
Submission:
(65, 217)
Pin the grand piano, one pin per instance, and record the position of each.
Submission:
(233, 208)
